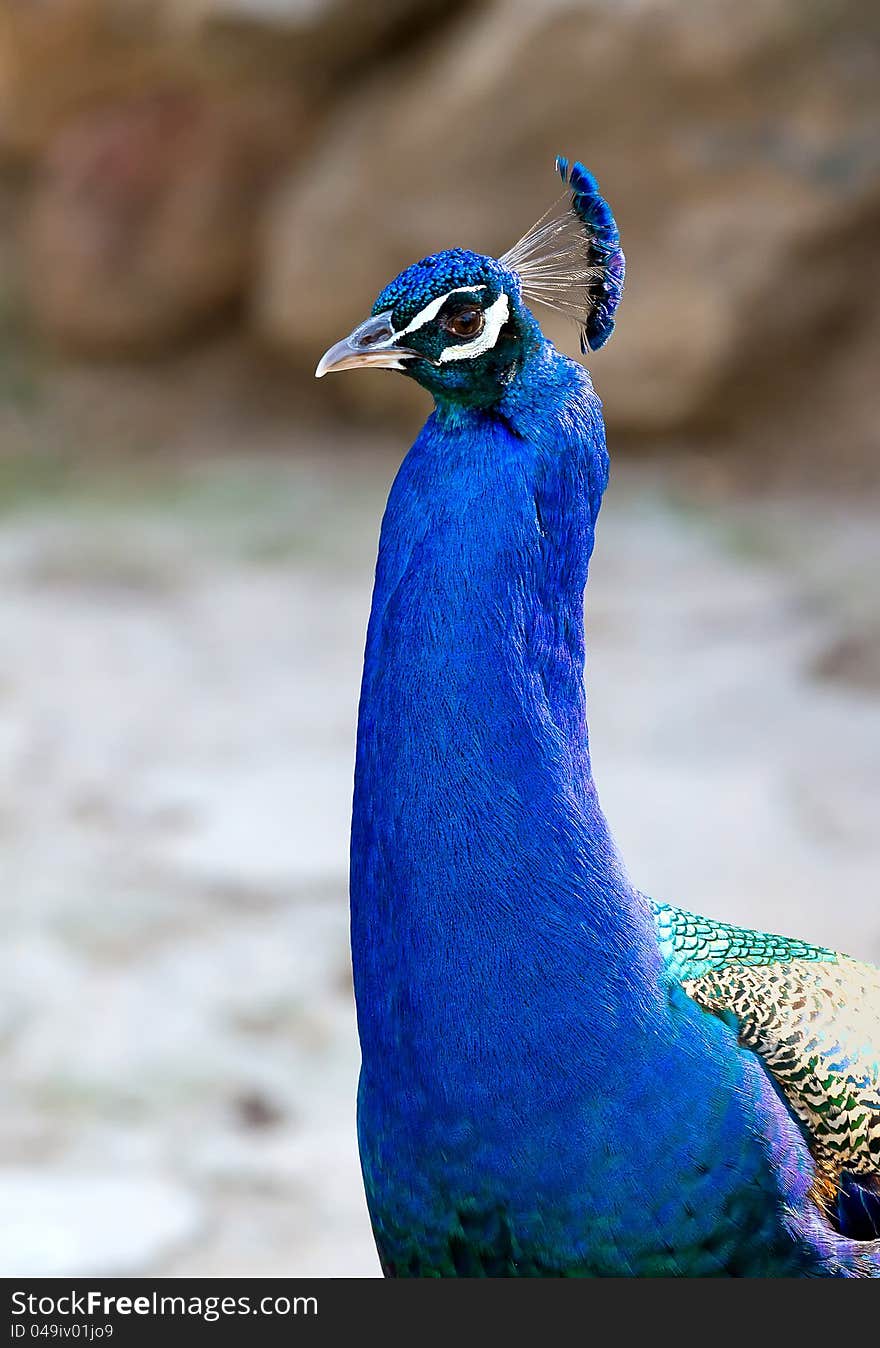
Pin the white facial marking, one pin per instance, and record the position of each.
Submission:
(432, 310)
(495, 317)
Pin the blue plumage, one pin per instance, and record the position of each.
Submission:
(605, 253)
(858, 1207)
(553, 1083)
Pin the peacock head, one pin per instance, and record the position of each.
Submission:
(458, 322)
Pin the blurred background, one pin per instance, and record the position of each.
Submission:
(196, 198)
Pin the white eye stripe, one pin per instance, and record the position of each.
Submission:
(495, 317)
(432, 310)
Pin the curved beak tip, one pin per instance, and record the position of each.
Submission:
(371, 344)
(337, 357)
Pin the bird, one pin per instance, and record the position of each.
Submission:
(560, 1077)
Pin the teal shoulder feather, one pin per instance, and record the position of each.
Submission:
(694, 946)
(810, 1014)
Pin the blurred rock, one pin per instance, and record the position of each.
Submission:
(736, 147)
(59, 56)
(322, 38)
(156, 130)
(142, 221)
(853, 659)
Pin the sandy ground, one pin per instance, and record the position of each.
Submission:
(180, 663)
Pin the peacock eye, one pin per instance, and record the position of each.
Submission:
(466, 322)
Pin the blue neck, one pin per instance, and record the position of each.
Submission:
(483, 873)
(519, 1034)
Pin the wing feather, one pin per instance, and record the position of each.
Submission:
(811, 1015)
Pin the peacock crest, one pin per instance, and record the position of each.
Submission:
(571, 259)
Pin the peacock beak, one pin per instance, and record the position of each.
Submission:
(371, 343)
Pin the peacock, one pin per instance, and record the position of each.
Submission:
(560, 1077)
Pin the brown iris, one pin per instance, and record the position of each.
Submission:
(465, 322)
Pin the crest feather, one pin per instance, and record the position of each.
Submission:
(572, 261)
